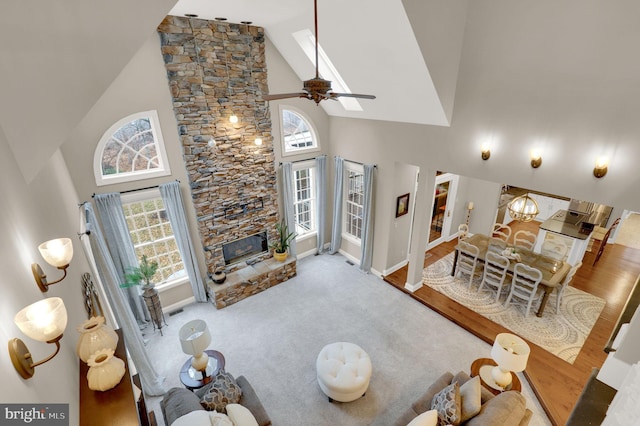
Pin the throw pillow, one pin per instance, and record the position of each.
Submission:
(447, 404)
(428, 418)
(507, 408)
(470, 398)
(194, 418)
(224, 390)
(240, 415)
(219, 419)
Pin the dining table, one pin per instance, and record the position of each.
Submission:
(553, 270)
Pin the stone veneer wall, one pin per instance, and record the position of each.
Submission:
(215, 68)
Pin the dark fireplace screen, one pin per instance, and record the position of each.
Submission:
(244, 248)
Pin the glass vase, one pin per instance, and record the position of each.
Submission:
(95, 335)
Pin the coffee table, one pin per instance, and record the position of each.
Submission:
(193, 379)
(482, 367)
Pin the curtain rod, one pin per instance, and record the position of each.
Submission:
(137, 189)
(297, 161)
(357, 162)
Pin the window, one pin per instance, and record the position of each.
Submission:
(152, 235)
(354, 200)
(132, 149)
(297, 133)
(305, 197)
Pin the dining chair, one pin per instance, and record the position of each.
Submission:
(467, 260)
(496, 245)
(524, 286)
(501, 231)
(463, 231)
(495, 272)
(565, 282)
(525, 239)
(555, 249)
(603, 243)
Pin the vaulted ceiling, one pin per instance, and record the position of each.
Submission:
(57, 58)
(372, 43)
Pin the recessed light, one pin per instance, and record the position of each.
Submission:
(246, 22)
(190, 15)
(220, 19)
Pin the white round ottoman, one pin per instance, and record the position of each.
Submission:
(344, 371)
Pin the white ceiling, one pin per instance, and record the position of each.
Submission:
(370, 42)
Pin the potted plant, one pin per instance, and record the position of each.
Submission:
(281, 246)
(142, 275)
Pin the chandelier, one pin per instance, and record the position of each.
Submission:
(523, 208)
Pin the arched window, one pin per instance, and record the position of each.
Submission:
(298, 134)
(131, 149)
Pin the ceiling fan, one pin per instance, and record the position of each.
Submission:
(316, 89)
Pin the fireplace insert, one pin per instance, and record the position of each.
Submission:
(245, 248)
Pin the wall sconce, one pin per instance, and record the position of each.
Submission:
(485, 151)
(258, 141)
(44, 321)
(601, 167)
(57, 253)
(233, 118)
(536, 158)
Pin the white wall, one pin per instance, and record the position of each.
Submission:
(31, 213)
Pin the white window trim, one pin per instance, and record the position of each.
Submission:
(309, 164)
(312, 128)
(358, 168)
(143, 195)
(163, 170)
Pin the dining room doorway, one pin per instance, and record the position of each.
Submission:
(444, 195)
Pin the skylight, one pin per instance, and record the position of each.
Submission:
(327, 70)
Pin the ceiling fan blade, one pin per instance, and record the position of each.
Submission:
(334, 95)
(285, 96)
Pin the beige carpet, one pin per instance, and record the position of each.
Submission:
(629, 232)
(561, 334)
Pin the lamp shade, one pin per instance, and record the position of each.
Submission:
(510, 352)
(44, 320)
(57, 252)
(194, 337)
(523, 208)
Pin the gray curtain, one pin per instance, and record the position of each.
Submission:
(288, 198)
(321, 199)
(366, 247)
(118, 241)
(110, 280)
(336, 228)
(174, 207)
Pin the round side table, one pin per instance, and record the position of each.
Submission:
(482, 367)
(193, 379)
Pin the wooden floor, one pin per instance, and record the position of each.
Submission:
(556, 383)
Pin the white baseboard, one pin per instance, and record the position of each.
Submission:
(413, 287)
(395, 268)
(178, 305)
(311, 252)
(350, 258)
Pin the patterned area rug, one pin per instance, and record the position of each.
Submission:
(561, 334)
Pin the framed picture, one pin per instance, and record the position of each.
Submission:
(402, 205)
